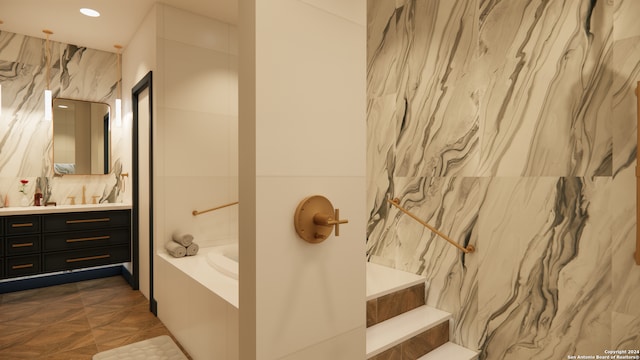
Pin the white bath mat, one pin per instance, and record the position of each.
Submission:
(157, 348)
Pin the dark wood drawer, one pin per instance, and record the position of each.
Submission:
(2, 268)
(86, 220)
(1, 227)
(23, 265)
(22, 245)
(19, 225)
(1, 247)
(74, 259)
(85, 239)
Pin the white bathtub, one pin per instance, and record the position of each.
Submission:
(214, 268)
(224, 259)
(199, 304)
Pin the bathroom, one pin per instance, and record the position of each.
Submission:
(195, 175)
(486, 291)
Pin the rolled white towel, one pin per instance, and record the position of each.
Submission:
(192, 249)
(176, 250)
(182, 239)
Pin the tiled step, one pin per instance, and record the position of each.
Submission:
(400, 325)
(382, 280)
(391, 292)
(394, 304)
(450, 351)
(411, 334)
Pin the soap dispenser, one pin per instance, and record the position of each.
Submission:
(37, 198)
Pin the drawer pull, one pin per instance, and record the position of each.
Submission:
(88, 221)
(106, 237)
(25, 266)
(89, 258)
(22, 225)
(21, 245)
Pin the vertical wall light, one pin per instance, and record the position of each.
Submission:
(118, 104)
(48, 107)
(1, 22)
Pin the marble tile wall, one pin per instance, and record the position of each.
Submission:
(26, 139)
(510, 125)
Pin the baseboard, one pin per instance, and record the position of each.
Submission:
(153, 306)
(34, 282)
(129, 277)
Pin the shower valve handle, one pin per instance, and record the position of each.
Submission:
(329, 220)
(315, 219)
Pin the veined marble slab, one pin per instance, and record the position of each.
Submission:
(532, 161)
(26, 139)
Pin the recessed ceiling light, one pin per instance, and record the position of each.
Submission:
(89, 12)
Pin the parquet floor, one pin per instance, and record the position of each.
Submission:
(74, 321)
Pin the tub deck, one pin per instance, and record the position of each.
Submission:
(381, 280)
(197, 268)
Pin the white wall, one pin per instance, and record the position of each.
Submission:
(302, 132)
(138, 58)
(196, 145)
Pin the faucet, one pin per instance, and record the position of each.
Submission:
(84, 198)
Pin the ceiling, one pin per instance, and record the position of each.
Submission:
(118, 21)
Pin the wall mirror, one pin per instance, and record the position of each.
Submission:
(80, 137)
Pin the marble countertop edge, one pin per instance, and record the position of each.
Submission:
(52, 209)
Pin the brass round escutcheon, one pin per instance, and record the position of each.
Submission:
(315, 218)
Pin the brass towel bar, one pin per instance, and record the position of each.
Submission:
(469, 249)
(196, 212)
(637, 255)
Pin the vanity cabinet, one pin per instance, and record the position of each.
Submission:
(22, 245)
(78, 240)
(37, 244)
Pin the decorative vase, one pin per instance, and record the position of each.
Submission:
(25, 200)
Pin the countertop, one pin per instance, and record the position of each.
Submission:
(53, 209)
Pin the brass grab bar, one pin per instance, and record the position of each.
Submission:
(196, 212)
(637, 254)
(469, 249)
